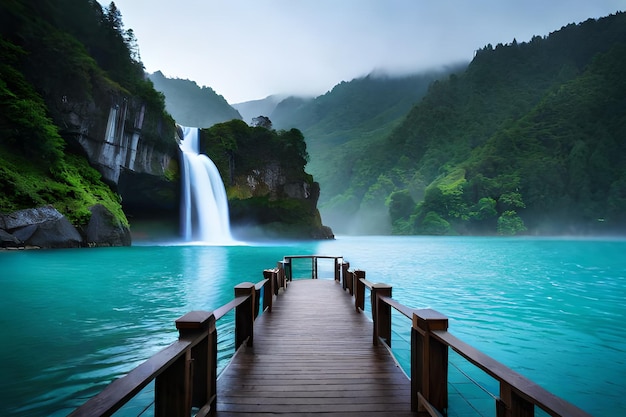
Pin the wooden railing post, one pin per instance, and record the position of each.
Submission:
(381, 313)
(349, 281)
(429, 361)
(285, 265)
(338, 272)
(172, 388)
(282, 279)
(244, 314)
(510, 404)
(271, 289)
(359, 295)
(203, 355)
(345, 275)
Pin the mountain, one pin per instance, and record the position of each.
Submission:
(255, 108)
(192, 105)
(350, 117)
(529, 138)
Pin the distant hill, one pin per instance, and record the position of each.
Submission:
(349, 118)
(530, 138)
(192, 105)
(263, 107)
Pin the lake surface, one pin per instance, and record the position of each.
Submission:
(551, 309)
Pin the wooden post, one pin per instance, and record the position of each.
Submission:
(345, 265)
(338, 272)
(381, 313)
(510, 404)
(282, 280)
(314, 267)
(203, 355)
(270, 289)
(244, 314)
(429, 360)
(286, 264)
(359, 296)
(172, 388)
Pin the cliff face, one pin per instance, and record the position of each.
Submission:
(112, 140)
(111, 135)
(268, 203)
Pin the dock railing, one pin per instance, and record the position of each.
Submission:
(430, 340)
(185, 373)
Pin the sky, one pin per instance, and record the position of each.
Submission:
(250, 49)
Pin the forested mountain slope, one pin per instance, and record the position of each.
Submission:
(529, 138)
(351, 115)
(192, 105)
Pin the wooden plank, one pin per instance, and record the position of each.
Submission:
(313, 355)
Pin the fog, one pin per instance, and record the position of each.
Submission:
(249, 50)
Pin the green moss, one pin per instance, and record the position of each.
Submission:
(71, 189)
(172, 172)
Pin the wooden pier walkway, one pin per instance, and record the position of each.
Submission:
(313, 354)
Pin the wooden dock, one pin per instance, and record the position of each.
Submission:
(315, 351)
(313, 354)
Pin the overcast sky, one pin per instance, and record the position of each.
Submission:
(249, 49)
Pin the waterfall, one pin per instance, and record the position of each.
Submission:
(204, 206)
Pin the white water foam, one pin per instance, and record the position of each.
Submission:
(204, 205)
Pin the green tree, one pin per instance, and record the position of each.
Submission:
(401, 205)
(433, 224)
(509, 223)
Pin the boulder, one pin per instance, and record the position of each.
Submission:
(7, 240)
(21, 218)
(104, 229)
(42, 227)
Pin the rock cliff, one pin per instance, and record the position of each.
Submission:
(111, 135)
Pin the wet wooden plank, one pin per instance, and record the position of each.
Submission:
(313, 355)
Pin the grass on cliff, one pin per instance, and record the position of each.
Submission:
(71, 189)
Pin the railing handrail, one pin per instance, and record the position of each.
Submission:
(526, 388)
(287, 260)
(229, 306)
(404, 310)
(368, 284)
(195, 328)
(311, 256)
(523, 387)
(121, 390)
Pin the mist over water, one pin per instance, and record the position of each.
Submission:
(551, 309)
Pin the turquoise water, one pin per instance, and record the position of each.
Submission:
(551, 309)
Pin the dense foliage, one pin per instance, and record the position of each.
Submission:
(529, 138)
(54, 55)
(238, 149)
(351, 115)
